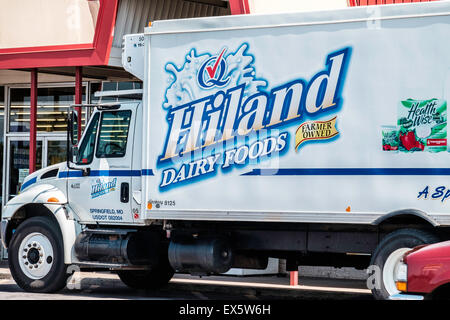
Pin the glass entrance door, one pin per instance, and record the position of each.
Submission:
(51, 123)
(50, 150)
(18, 164)
(56, 150)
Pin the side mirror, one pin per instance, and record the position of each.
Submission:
(73, 127)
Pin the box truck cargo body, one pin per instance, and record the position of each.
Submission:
(316, 137)
(289, 124)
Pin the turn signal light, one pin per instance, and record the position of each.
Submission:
(401, 286)
(52, 199)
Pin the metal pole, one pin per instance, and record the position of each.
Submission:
(79, 95)
(293, 278)
(33, 117)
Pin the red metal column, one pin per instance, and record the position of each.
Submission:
(79, 95)
(33, 117)
(239, 7)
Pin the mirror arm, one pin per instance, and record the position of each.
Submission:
(85, 171)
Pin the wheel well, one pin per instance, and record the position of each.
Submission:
(407, 220)
(27, 211)
(402, 220)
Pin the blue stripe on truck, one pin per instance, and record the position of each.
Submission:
(273, 172)
(147, 172)
(28, 183)
(96, 173)
(101, 173)
(350, 172)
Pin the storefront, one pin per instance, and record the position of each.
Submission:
(53, 102)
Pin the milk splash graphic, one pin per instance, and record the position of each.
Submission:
(183, 86)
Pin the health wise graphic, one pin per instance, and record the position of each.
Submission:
(221, 114)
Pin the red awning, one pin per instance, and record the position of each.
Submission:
(84, 54)
(355, 3)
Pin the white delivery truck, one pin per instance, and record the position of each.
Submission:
(317, 137)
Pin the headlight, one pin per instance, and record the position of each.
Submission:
(402, 277)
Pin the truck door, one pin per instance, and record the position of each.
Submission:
(103, 192)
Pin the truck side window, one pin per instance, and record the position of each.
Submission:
(113, 136)
(86, 150)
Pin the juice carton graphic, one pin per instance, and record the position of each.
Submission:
(422, 125)
(390, 138)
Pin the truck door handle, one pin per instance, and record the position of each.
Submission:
(124, 192)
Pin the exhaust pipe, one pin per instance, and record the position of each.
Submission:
(200, 256)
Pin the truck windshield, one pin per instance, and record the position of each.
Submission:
(86, 150)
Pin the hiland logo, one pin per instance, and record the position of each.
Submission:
(212, 72)
(101, 187)
(215, 98)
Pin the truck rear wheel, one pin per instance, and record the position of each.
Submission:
(154, 278)
(386, 258)
(36, 256)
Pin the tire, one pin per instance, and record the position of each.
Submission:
(388, 254)
(36, 256)
(154, 278)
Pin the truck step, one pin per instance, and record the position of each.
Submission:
(115, 266)
(110, 231)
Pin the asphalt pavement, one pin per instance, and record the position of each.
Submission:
(106, 285)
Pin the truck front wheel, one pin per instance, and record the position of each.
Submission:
(153, 278)
(36, 256)
(387, 256)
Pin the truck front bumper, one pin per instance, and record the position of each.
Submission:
(403, 296)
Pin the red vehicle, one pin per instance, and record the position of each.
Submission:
(424, 273)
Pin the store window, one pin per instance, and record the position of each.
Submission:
(19, 153)
(52, 109)
(2, 123)
(51, 123)
(113, 86)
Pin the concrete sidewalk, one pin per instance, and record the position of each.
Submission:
(4, 270)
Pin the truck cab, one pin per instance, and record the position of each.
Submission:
(105, 166)
(91, 200)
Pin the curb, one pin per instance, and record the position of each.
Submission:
(258, 290)
(5, 276)
(265, 290)
(243, 287)
(4, 272)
